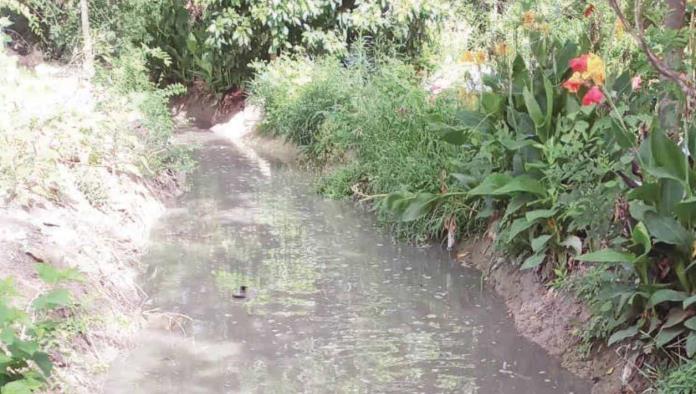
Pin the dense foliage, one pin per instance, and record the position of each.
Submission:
(576, 145)
(216, 41)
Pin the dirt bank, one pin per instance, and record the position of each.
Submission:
(551, 319)
(73, 195)
(104, 245)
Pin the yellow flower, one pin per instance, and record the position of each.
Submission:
(544, 28)
(501, 49)
(528, 19)
(481, 57)
(595, 70)
(619, 28)
(467, 57)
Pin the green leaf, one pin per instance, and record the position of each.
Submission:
(689, 301)
(52, 275)
(666, 229)
(539, 214)
(533, 108)
(539, 242)
(666, 295)
(533, 261)
(491, 183)
(44, 363)
(691, 135)
(691, 323)
(548, 89)
(16, 387)
(607, 256)
(667, 335)
(641, 236)
(517, 226)
(691, 345)
(492, 103)
(621, 335)
(686, 210)
(418, 206)
(674, 317)
(522, 183)
(671, 193)
(53, 299)
(667, 159)
(574, 242)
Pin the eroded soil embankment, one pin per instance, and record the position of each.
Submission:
(550, 318)
(103, 244)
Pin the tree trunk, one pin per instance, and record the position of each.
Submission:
(86, 39)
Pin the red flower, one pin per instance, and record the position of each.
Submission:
(574, 83)
(593, 96)
(579, 64)
(589, 10)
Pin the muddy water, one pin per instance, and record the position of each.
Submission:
(334, 307)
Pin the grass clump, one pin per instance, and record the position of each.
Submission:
(366, 122)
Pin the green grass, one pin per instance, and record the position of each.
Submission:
(681, 380)
(367, 124)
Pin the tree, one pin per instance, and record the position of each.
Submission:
(86, 39)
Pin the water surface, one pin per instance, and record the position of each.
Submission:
(336, 306)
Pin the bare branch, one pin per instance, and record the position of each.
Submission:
(687, 86)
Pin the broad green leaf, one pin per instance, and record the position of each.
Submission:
(689, 301)
(491, 183)
(539, 242)
(641, 236)
(674, 317)
(607, 256)
(539, 214)
(573, 242)
(517, 226)
(667, 159)
(563, 56)
(418, 206)
(621, 335)
(44, 363)
(16, 387)
(548, 90)
(686, 210)
(666, 295)
(522, 183)
(492, 103)
(666, 229)
(671, 193)
(691, 345)
(53, 299)
(533, 108)
(667, 335)
(691, 323)
(533, 261)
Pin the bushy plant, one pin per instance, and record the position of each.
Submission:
(24, 364)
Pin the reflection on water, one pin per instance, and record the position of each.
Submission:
(335, 306)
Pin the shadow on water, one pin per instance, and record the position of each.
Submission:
(334, 305)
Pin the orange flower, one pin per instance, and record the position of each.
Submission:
(593, 96)
(528, 19)
(589, 10)
(595, 69)
(467, 57)
(574, 83)
(480, 57)
(501, 49)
